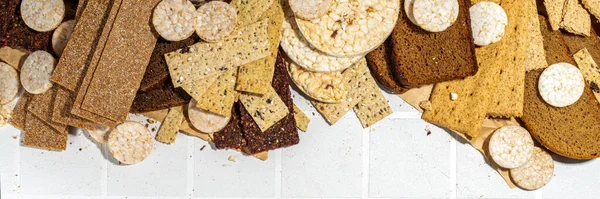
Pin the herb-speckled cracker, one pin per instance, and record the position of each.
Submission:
(266, 110)
(250, 11)
(196, 88)
(220, 96)
(170, 126)
(39, 134)
(373, 107)
(589, 69)
(301, 119)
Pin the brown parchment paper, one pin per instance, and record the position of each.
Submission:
(14, 57)
(416, 95)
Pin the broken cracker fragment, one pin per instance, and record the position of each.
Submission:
(170, 126)
(425, 105)
(302, 120)
(589, 69)
(576, 19)
(5, 115)
(266, 110)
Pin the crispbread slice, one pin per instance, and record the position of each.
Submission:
(41, 135)
(373, 108)
(266, 110)
(576, 19)
(41, 106)
(555, 10)
(20, 112)
(589, 69)
(250, 11)
(302, 120)
(593, 6)
(221, 95)
(62, 105)
(170, 126)
(13, 56)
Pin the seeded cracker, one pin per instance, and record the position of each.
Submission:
(130, 142)
(9, 82)
(536, 173)
(196, 88)
(593, 6)
(202, 60)
(205, 121)
(170, 126)
(61, 36)
(310, 9)
(174, 19)
(266, 110)
(511, 146)
(215, 20)
(351, 28)
(61, 111)
(590, 70)
(249, 11)
(373, 107)
(561, 84)
(36, 71)
(220, 96)
(576, 19)
(488, 21)
(324, 87)
(42, 15)
(40, 135)
(435, 15)
(302, 119)
(41, 106)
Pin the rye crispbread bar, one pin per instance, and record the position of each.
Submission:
(63, 102)
(41, 135)
(162, 98)
(20, 112)
(41, 106)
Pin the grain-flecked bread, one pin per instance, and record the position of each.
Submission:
(422, 58)
(380, 65)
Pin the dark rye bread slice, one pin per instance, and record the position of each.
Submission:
(162, 98)
(379, 62)
(232, 136)
(422, 57)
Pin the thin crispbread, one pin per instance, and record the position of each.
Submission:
(266, 110)
(160, 98)
(302, 120)
(221, 95)
(20, 112)
(555, 11)
(554, 44)
(593, 6)
(170, 125)
(41, 135)
(41, 106)
(250, 11)
(589, 69)
(63, 102)
(576, 19)
(374, 107)
(80, 7)
(196, 88)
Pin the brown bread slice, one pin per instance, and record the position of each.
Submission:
(554, 44)
(162, 98)
(380, 65)
(422, 58)
(575, 43)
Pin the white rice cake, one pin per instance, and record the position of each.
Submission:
(511, 146)
(324, 87)
(36, 71)
(408, 9)
(435, 15)
(215, 20)
(266, 110)
(555, 10)
(593, 6)
(561, 84)
(9, 82)
(173, 20)
(536, 173)
(302, 53)
(576, 19)
(61, 36)
(205, 121)
(310, 9)
(42, 15)
(130, 142)
(203, 59)
(488, 21)
(170, 125)
(589, 69)
(351, 28)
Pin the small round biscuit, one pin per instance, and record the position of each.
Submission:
(61, 36)
(215, 20)
(435, 15)
(310, 9)
(36, 71)
(206, 121)
(9, 83)
(536, 173)
(408, 8)
(488, 21)
(561, 84)
(130, 142)
(511, 146)
(42, 15)
(173, 20)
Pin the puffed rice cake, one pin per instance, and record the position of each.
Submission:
(324, 87)
(536, 173)
(488, 21)
(215, 20)
(130, 142)
(511, 146)
(42, 15)
(9, 82)
(173, 20)
(36, 71)
(206, 121)
(310, 9)
(435, 15)
(561, 84)
(61, 36)
(408, 9)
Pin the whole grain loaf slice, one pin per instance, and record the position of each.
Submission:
(379, 62)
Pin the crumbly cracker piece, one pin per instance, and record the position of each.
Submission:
(5, 114)
(301, 118)
(174, 19)
(99, 133)
(255, 77)
(14, 57)
(41, 106)
(42, 15)
(123, 63)
(221, 95)
(576, 19)
(20, 112)
(373, 107)
(536, 173)
(435, 15)
(202, 60)
(302, 53)
(593, 6)
(206, 121)
(511, 146)
(326, 87)
(41, 135)
(561, 84)
(130, 142)
(170, 126)
(351, 29)
(9, 82)
(488, 21)
(266, 110)
(61, 36)
(555, 10)
(310, 9)
(590, 70)
(249, 11)
(215, 20)
(63, 102)
(36, 71)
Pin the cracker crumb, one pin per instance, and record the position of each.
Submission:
(232, 158)
(425, 105)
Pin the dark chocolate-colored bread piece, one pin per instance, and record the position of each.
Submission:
(379, 61)
(161, 98)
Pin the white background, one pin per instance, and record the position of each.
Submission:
(393, 159)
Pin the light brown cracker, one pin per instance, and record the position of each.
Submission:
(576, 19)
(13, 56)
(589, 69)
(63, 102)
(250, 11)
(555, 10)
(266, 110)
(221, 95)
(20, 112)
(170, 125)
(374, 106)
(196, 88)
(41, 106)
(593, 6)
(302, 120)
(80, 7)
(40, 135)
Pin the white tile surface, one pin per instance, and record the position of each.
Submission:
(9, 162)
(574, 180)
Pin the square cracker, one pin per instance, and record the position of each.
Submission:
(374, 106)
(203, 59)
(221, 95)
(302, 120)
(40, 135)
(593, 6)
(63, 102)
(42, 106)
(589, 69)
(20, 112)
(555, 10)
(266, 110)
(170, 126)
(250, 11)
(196, 88)
(576, 19)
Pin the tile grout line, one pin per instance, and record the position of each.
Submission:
(104, 176)
(365, 162)
(278, 159)
(190, 167)
(453, 166)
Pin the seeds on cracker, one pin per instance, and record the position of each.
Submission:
(511, 146)
(130, 142)
(215, 20)
(435, 15)
(351, 28)
(36, 71)
(561, 84)
(61, 36)
(9, 82)
(42, 15)
(324, 87)
(206, 121)
(488, 21)
(408, 8)
(174, 19)
(99, 133)
(536, 173)
(310, 9)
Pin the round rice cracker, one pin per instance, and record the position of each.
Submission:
(61, 36)
(36, 71)
(351, 29)
(435, 15)
(130, 142)
(408, 8)
(536, 173)
(310, 9)
(42, 15)
(206, 121)
(488, 21)
(324, 87)
(302, 53)
(511, 146)
(173, 20)
(215, 20)
(9, 82)
(561, 84)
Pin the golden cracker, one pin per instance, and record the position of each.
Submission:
(302, 120)
(221, 95)
(170, 125)
(266, 110)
